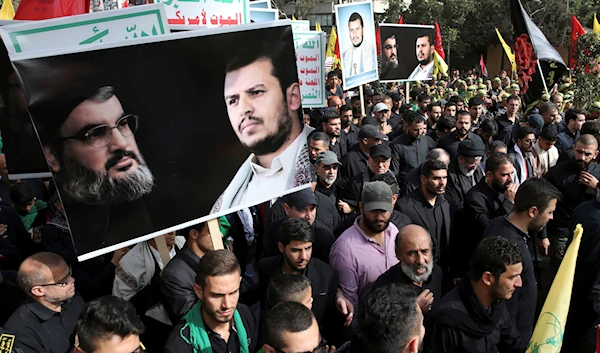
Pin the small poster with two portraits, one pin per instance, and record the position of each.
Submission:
(155, 134)
(406, 52)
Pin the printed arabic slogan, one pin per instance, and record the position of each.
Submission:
(211, 13)
(310, 53)
(96, 28)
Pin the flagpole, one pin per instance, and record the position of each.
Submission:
(542, 75)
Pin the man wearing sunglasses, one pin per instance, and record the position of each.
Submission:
(291, 327)
(47, 319)
(91, 149)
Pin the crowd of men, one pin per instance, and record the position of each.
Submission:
(436, 225)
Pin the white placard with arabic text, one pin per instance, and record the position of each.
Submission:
(94, 28)
(210, 13)
(310, 56)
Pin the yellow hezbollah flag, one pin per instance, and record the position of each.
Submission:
(318, 27)
(439, 65)
(596, 25)
(548, 333)
(508, 51)
(7, 12)
(332, 53)
(293, 18)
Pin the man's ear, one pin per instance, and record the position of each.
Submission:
(533, 211)
(268, 349)
(198, 290)
(413, 345)
(286, 208)
(51, 159)
(293, 97)
(488, 279)
(37, 291)
(281, 247)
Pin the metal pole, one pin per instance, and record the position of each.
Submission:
(543, 78)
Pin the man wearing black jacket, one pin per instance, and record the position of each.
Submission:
(577, 179)
(473, 317)
(327, 167)
(301, 204)
(584, 310)
(410, 149)
(295, 246)
(450, 141)
(534, 204)
(416, 267)
(463, 172)
(355, 161)
(427, 207)
(178, 277)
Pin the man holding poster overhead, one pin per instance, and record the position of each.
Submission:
(424, 50)
(263, 97)
(361, 56)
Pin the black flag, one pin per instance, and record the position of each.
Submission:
(531, 45)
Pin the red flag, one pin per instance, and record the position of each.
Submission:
(45, 9)
(576, 31)
(378, 41)
(484, 71)
(125, 4)
(438, 41)
(401, 20)
(336, 51)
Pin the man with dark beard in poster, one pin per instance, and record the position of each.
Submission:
(389, 58)
(262, 96)
(98, 168)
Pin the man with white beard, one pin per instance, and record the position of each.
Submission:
(414, 251)
(464, 172)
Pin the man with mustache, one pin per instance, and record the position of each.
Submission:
(535, 202)
(362, 56)
(464, 172)
(577, 179)
(427, 207)
(492, 197)
(389, 58)
(365, 251)
(262, 96)
(450, 141)
(414, 249)
(424, 50)
(98, 168)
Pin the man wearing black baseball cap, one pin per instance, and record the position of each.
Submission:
(380, 157)
(301, 204)
(356, 159)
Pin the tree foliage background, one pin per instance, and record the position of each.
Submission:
(587, 70)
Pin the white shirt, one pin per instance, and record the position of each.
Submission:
(158, 259)
(271, 181)
(521, 160)
(422, 74)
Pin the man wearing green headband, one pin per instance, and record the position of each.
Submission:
(216, 323)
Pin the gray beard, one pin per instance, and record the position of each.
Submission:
(410, 271)
(388, 65)
(466, 171)
(98, 188)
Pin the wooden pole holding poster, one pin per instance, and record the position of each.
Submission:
(161, 246)
(362, 102)
(215, 234)
(407, 93)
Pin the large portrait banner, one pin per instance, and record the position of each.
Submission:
(137, 151)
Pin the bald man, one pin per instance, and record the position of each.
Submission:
(577, 179)
(334, 102)
(414, 251)
(47, 319)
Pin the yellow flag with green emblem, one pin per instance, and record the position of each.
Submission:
(7, 12)
(549, 330)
